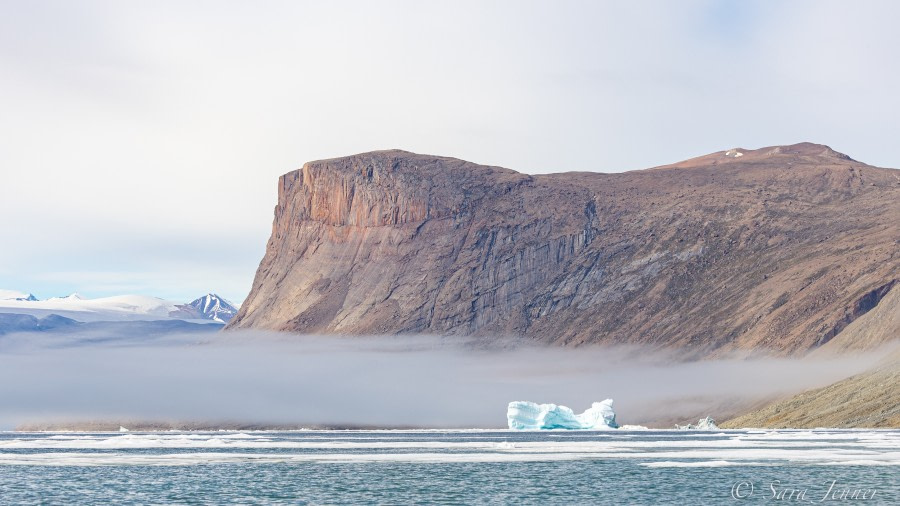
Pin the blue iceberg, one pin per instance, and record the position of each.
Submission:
(525, 415)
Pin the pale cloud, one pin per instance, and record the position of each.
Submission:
(136, 137)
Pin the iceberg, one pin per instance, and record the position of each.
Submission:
(703, 424)
(525, 415)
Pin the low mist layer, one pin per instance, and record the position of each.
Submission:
(264, 379)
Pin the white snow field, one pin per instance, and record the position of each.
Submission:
(116, 308)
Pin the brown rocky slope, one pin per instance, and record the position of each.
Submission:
(870, 399)
(778, 248)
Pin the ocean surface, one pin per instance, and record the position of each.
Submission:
(451, 467)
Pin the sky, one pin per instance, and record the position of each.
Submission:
(140, 142)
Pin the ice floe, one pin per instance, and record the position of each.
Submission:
(649, 449)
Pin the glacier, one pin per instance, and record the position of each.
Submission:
(207, 309)
(525, 415)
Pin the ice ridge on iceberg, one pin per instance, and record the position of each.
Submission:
(525, 415)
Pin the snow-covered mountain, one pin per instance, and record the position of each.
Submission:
(213, 307)
(210, 308)
(16, 295)
(116, 308)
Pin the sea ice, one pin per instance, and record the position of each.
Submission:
(525, 415)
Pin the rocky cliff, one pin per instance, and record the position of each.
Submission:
(781, 248)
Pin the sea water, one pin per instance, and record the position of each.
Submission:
(452, 467)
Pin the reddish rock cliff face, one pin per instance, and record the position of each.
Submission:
(778, 248)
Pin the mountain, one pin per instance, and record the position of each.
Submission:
(19, 331)
(75, 320)
(71, 297)
(213, 307)
(16, 295)
(11, 322)
(120, 308)
(869, 399)
(76, 307)
(780, 248)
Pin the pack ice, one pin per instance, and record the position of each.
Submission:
(525, 415)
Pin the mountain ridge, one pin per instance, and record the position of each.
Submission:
(772, 249)
(212, 307)
(118, 308)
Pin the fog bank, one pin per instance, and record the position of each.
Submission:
(413, 381)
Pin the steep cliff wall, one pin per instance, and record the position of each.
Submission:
(779, 248)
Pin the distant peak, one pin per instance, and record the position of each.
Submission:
(786, 155)
(17, 295)
(213, 307)
(71, 296)
(806, 149)
(803, 149)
